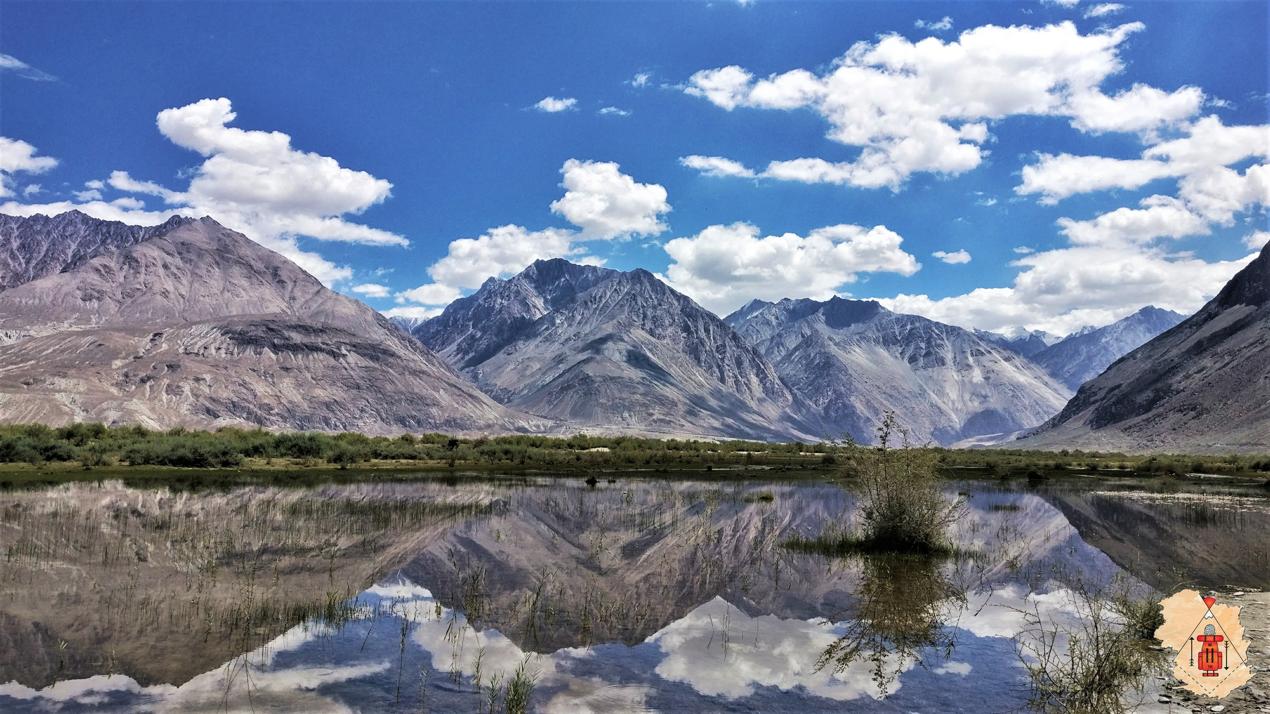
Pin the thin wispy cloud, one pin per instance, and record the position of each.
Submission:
(9, 63)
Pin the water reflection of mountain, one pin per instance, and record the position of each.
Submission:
(1172, 540)
(569, 566)
(165, 585)
(683, 590)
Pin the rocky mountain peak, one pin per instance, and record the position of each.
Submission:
(1203, 385)
(612, 350)
(1251, 286)
(200, 326)
(840, 312)
(35, 246)
(855, 360)
(1085, 353)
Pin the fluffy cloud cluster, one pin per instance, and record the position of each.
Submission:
(252, 181)
(716, 166)
(724, 266)
(17, 156)
(1062, 290)
(1117, 260)
(923, 106)
(606, 203)
(1207, 146)
(599, 199)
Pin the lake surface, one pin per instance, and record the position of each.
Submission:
(640, 594)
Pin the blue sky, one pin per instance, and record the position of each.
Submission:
(441, 102)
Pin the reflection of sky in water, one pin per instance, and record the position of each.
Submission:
(715, 657)
(726, 653)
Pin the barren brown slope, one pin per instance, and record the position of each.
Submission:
(1203, 386)
(203, 327)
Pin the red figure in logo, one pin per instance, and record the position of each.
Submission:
(1209, 655)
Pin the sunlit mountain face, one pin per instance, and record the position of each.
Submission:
(637, 594)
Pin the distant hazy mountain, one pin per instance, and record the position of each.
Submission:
(407, 324)
(616, 351)
(34, 247)
(1024, 342)
(854, 360)
(200, 326)
(1084, 355)
(1202, 386)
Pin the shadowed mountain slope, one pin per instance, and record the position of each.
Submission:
(1203, 386)
(1078, 358)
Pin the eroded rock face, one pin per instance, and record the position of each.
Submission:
(855, 360)
(31, 248)
(1202, 386)
(1079, 358)
(614, 351)
(200, 327)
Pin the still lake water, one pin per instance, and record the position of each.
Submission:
(641, 594)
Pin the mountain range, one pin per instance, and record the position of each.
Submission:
(1024, 342)
(1081, 356)
(614, 351)
(855, 360)
(1203, 385)
(191, 324)
(199, 326)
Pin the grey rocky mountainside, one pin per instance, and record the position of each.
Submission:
(199, 326)
(855, 360)
(40, 245)
(1027, 343)
(614, 351)
(1082, 356)
(1202, 386)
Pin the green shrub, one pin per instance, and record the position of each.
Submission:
(903, 507)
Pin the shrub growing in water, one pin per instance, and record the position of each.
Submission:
(902, 505)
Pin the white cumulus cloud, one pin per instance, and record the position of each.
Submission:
(924, 106)
(724, 266)
(553, 105)
(1158, 217)
(373, 290)
(716, 166)
(606, 203)
(1062, 290)
(956, 257)
(254, 182)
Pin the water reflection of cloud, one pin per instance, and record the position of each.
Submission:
(243, 684)
(721, 651)
(714, 651)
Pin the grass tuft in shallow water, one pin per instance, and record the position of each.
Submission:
(1096, 664)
